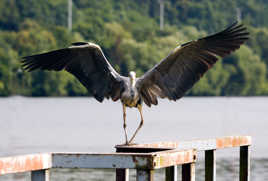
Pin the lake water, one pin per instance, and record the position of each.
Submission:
(32, 125)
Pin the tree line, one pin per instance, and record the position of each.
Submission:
(128, 32)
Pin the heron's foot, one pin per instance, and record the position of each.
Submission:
(131, 144)
(127, 144)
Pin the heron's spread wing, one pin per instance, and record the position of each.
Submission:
(186, 64)
(86, 62)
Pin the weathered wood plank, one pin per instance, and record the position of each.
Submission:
(233, 141)
(244, 163)
(188, 172)
(25, 163)
(173, 157)
(171, 173)
(199, 145)
(40, 175)
(110, 160)
(145, 175)
(210, 165)
(123, 160)
(151, 146)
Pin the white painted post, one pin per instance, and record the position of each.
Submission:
(40, 175)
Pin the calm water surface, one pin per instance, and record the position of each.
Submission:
(32, 125)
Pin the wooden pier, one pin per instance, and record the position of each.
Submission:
(145, 158)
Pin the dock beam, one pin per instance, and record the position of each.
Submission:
(145, 158)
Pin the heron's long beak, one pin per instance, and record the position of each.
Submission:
(133, 81)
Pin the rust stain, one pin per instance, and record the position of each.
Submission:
(187, 157)
(244, 140)
(21, 164)
(227, 141)
(219, 143)
(174, 158)
(135, 160)
(1, 166)
(236, 141)
(232, 141)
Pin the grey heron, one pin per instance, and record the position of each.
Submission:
(170, 78)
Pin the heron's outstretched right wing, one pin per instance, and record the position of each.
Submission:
(187, 63)
(86, 62)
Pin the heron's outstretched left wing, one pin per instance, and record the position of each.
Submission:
(186, 64)
(86, 62)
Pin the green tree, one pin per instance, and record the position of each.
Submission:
(128, 32)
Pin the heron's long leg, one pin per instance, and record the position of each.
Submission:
(141, 123)
(125, 125)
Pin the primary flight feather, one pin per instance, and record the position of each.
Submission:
(170, 78)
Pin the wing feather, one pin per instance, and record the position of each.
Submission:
(186, 64)
(87, 63)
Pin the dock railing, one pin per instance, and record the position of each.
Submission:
(145, 158)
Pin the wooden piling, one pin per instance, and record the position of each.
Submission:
(188, 172)
(244, 163)
(171, 173)
(40, 175)
(122, 174)
(210, 165)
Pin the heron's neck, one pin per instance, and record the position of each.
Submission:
(132, 82)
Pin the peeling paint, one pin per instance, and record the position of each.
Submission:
(200, 145)
(173, 157)
(25, 163)
(233, 141)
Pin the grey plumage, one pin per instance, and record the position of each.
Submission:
(186, 64)
(171, 78)
(87, 63)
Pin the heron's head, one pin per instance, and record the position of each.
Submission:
(132, 75)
